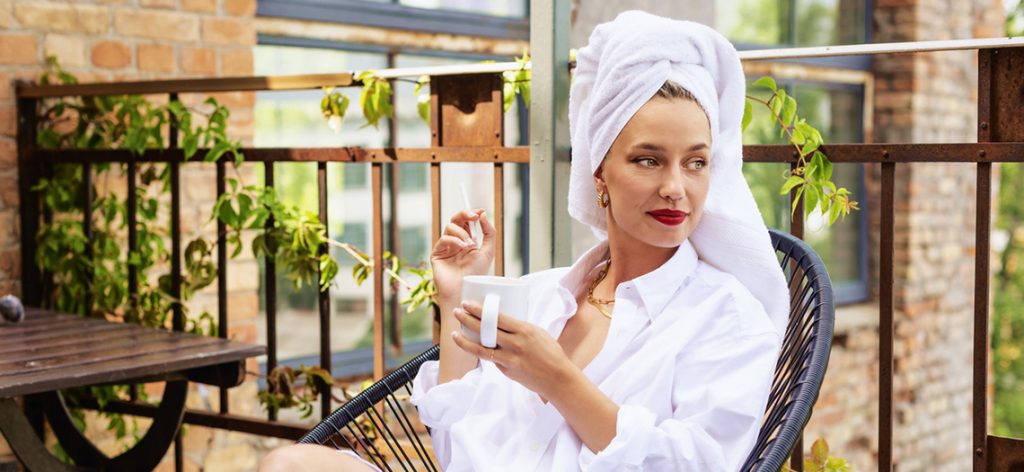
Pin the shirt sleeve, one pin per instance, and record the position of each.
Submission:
(441, 406)
(720, 392)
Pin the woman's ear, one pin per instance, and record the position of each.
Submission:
(599, 177)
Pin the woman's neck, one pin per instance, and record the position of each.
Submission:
(630, 259)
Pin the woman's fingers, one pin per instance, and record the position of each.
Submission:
(488, 230)
(467, 320)
(464, 217)
(448, 246)
(452, 229)
(471, 347)
(506, 323)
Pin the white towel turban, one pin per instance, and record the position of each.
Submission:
(624, 63)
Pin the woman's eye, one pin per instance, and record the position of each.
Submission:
(698, 164)
(646, 161)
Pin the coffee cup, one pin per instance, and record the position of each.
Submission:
(505, 295)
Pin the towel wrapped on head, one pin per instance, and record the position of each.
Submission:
(624, 63)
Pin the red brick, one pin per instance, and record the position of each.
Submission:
(10, 263)
(199, 5)
(229, 31)
(240, 7)
(235, 99)
(245, 333)
(167, 4)
(9, 192)
(8, 120)
(155, 57)
(10, 287)
(8, 154)
(199, 61)
(70, 50)
(52, 16)
(6, 87)
(111, 55)
(8, 228)
(168, 25)
(18, 49)
(236, 62)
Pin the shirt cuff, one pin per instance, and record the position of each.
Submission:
(440, 406)
(625, 451)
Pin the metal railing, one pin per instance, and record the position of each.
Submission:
(462, 133)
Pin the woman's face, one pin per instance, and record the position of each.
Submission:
(657, 173)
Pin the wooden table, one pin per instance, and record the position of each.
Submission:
(51, 351)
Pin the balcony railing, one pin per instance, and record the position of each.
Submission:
(466, 121)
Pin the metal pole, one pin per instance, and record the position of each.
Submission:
(550, 242)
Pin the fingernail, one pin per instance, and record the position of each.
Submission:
(455, 334)
(465, 305)
(457, 311)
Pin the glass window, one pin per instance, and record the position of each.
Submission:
(355, 175)
(838, 114)
(792, 22)
(414, 243)
(412, 177)
(509, 8)
(292, 118)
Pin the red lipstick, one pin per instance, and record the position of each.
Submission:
(669, 217)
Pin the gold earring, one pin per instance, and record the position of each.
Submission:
(603, 200)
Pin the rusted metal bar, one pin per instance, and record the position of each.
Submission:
(222, 279)
(87, 200)
(324, 296)
(29, 171)
(885, 324)
(270, 290)
(378, 271)
(436, 221)
(981, 332)
(1005, 454)
(393, 226)
(178, 319)
(488, 154)
(796, 228)
(242, 424)
(900, 153)
(224, 84)
(498, 219)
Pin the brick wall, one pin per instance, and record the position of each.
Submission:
(925, 98)
(115, 40)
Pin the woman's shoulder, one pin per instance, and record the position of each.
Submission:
(740, 309)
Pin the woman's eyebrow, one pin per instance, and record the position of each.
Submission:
(655, 147)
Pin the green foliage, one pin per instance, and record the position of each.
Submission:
(282, 391)
(422, 98)
(517, 82)
(375, 99)
(1015, 20)
(333, 106)
(821, 461)
(1008, 308)
(812, 177)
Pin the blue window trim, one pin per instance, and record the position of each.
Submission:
(301, 42)
(396, 16)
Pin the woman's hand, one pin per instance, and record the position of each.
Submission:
(456, 255)
(525, 352)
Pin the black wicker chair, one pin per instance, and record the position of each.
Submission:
(374, 432)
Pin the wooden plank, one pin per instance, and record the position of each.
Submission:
(204, 85)
(76, 345)
(489, 154)
(95, 358)
(126, 369)
(30, 340)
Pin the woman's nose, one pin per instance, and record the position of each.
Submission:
(672, 186)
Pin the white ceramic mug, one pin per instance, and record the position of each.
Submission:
(505, 295)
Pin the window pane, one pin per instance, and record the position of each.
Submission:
(509, 8)
(292, 118)
(838, 114)
(791, 22)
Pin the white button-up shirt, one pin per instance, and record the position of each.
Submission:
(689, 359)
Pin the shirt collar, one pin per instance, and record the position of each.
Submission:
(655, 288)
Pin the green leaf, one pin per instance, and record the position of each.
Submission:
(791, 182)
(788, 111)
(819, 451)
(766, 82)
(748, 114)
(423, 107)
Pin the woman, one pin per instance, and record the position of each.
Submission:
(656, 349)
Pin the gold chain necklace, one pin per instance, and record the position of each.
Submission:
(598, 303)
